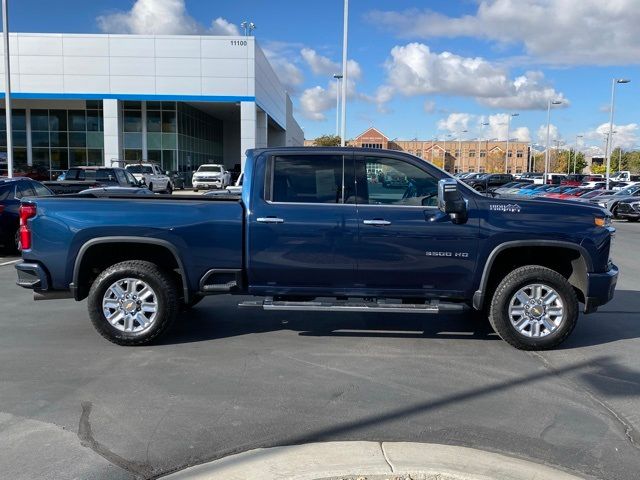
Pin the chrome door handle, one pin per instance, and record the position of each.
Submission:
(377, 223)
(269, 220)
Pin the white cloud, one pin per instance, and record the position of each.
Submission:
(414, 69)
(315, 101)
(625, 136)
(321, 65)
(455, 123)
(220, 26)
(288, 72)
(554, 134)
(429, 106)
(162, 17)
(589, 32)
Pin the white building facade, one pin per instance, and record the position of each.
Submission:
(180, 101)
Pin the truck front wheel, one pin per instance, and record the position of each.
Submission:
(534, 308)
(133, 302)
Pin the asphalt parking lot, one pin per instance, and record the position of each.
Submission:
(226, 380)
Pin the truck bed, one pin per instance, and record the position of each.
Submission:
(206, 232)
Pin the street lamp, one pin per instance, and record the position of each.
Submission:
(546, 148)
(444, 159)
(7, 87)
(460, 148)
(338, 77)
(345, 34)
(614, 82)
(482, 125)
(575, 153)
(506, 153)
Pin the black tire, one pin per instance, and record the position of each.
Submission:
(632, 220)
(166, 298)
(195, 190)
(195, 299)
(478, 188)
(151, 187)
(614, 211)
(514, 281)
(169, 189)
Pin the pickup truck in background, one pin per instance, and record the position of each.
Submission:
(77, 179)
(312, 231)
(152, 176)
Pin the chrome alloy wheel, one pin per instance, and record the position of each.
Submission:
(130, 305)
(536, 310)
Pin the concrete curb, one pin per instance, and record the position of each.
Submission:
(315, 461)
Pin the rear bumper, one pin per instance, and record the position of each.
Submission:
(600, 288)
(34, 276)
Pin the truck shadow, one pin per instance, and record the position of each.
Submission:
(218, 318)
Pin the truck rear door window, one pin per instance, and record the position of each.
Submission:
(307, 179)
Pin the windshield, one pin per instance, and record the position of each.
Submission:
(140, 168)
(629, 190)
(210, 168)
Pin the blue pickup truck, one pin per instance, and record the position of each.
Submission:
(316, 229)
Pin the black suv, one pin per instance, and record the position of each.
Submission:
(489, 181)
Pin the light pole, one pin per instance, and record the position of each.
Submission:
(433, 141)
(575, 153)
(7, 87)
(546, 147)
(482, 125)
(444, 160)
(614, 82)
(338, 77)
(460, 148)
(506, 153)
(345, 35)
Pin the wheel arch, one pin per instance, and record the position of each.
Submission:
(574, 268)
(80, 276)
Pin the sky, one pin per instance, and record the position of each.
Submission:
(417, 69)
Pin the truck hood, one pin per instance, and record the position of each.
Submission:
(546, 205)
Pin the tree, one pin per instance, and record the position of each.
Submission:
(598, 169)
(495, 162)
(327, 141)
(559, 161)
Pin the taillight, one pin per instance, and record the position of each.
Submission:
(27, 211)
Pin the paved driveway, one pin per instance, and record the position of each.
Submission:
(228, 380)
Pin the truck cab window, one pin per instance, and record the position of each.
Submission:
(391, 181)
(307, 179)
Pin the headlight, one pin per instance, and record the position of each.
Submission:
(602, 221)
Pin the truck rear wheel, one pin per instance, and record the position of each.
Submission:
(534, 308)
(133, 302)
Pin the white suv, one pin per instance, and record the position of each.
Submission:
(152, 175)
(210, 176)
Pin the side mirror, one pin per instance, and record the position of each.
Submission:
(451, 201)
(142, 183)
(167, 173)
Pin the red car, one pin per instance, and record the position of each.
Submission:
(574, 193)
(556, 192)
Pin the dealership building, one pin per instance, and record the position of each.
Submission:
(180, 101)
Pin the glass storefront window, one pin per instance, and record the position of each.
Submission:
(132, 105)
(168, 122)
(131, 154)
(77, 139)
(132, 140)
(58, 139)
(132, 121)
(77, 121)
(154, 121)
(94, 157)
(94, 121)
(40, 120)
(77, 157)
(59, 159)
(39, 139)
(57, 120)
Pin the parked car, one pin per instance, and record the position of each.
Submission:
(152, 176)
(210, 176)
(610, 202)
(302, 231)
(574, 193)
(554, 178)
(511, 188)
(556, 192)
(629, 210)
(77, 179)
(178, 181)
(534, 177)
(594, 193)
(535, 190)
(489, 181)
(575, 179)
(12, 191)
